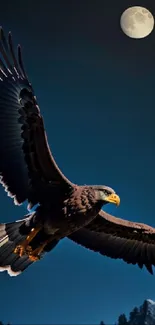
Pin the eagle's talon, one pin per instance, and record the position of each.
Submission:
(36, 254)
(34, 258)
(22, 250)
(28, 249)
(19, 250)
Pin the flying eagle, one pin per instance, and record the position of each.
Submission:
(29, 172)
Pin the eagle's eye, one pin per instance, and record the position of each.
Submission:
(106, 192)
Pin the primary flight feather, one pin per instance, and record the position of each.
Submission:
(29, 172)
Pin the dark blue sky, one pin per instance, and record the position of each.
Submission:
(96, 91)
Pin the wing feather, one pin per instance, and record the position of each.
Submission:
(117, 238)
(27, 167)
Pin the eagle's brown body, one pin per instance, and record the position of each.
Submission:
(78, 210)
(29, 172)
(62, 217)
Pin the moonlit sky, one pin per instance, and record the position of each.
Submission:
(96, 90)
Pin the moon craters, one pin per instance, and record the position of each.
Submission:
(137, 22)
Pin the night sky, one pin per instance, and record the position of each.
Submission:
(96, 91)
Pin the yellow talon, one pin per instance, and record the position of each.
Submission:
(24, 248)
(35, 254)
(34, 258)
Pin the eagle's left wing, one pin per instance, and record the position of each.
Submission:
(28, 170)
(117, 238)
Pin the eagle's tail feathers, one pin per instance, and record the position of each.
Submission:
(10, 237)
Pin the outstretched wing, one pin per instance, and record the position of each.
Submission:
(27, 167)
(117, 238)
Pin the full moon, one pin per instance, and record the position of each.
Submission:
(137, 22)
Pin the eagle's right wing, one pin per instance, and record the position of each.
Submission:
(117, 238)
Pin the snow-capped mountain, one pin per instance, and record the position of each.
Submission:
(144, 315)
(147, 311)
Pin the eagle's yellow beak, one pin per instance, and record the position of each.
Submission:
(113, 198)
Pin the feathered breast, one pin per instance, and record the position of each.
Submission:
(82, 200)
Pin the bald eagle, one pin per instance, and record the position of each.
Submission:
(29, 172)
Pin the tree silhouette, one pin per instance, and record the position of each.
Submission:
(134, 315)
(122, 320)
